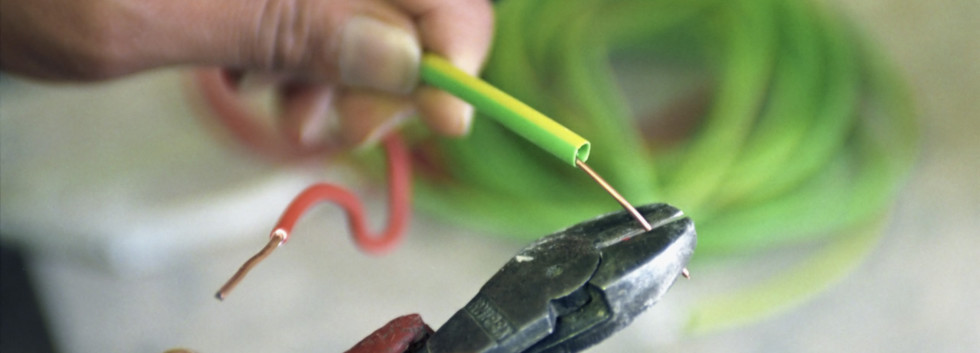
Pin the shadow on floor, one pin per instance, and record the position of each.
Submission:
(22, 326)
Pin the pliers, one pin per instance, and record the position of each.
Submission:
(563, 293)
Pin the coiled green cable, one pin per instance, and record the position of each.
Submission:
(792, 86)
(807, 135)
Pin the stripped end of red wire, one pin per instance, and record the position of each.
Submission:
(399, 197)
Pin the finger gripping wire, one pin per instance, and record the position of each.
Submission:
(399, 197)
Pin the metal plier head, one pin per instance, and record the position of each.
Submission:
(572, 289)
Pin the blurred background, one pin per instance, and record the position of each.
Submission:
(122, 213)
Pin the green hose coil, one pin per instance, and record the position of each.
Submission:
(805, 133)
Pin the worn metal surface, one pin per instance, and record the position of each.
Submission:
(572, 289)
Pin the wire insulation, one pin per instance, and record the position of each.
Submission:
(507, 110)
(218, 89)
(399, 200)
(399, 212)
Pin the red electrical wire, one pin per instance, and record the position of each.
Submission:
(399, 196)
(217, 87)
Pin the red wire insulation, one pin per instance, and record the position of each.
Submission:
(218, 86)
(399, 198)
(220, 92)
(397, 336)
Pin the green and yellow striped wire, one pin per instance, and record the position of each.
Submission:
(506, 110)
(805, 138)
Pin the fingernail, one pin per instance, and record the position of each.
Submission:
(377, 55)
(378, 133)
(315, 129)
(466, 120)
(381, 131)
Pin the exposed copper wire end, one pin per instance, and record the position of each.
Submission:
(277, 238)
(615, 194)
(686, 273)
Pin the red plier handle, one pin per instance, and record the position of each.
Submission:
(401, 335)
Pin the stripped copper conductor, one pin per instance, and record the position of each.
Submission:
(615, 194)
(622, 201)
(277, 239)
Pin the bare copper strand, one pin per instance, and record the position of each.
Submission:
(277, 238)
(686, 273)
(619, 198)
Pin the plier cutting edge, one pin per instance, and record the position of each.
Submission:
(563, 293)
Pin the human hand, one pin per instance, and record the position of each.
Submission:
(360, 57)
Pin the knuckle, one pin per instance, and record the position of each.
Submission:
(103, 58)
(101, 47)
(282, 35)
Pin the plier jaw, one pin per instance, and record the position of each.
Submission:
(572, 289)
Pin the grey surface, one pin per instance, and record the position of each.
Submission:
(918, 291)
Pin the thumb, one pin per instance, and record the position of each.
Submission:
(360, 43)
(374, 54)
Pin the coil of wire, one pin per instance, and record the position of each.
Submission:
(787, 126)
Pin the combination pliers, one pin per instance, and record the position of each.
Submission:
(563, 293)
